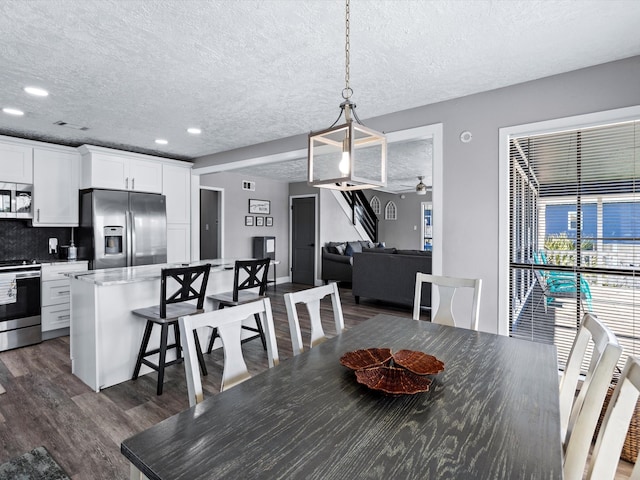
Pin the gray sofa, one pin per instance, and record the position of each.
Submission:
(337, 260)
(390, 275)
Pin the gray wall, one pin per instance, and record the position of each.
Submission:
(471, 177)
(237, 237)
(405, 232)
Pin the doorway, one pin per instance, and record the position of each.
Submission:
(303, 240)
(210, 225)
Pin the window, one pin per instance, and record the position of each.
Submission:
(390, 211)
(575, 234)
(375, 205)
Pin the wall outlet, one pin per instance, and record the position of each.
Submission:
(53, 245)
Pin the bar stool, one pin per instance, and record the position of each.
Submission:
(166, 315)
(255, 272)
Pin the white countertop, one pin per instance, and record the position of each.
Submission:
(143, 273)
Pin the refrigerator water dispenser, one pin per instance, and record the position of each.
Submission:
(113, 241)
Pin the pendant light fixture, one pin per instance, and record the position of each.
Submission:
(421, 188)
(348, 156)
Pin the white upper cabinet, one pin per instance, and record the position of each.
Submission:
(145, 176)
(104, 168)
(176, 186)
(105, 171)
(16, 163)
(55, 187)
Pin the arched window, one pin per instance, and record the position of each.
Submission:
(375, 204)
(390, 211)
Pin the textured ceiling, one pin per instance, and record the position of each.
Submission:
(252, 71)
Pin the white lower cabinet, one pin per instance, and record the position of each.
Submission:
(55, 296)
(55, 317)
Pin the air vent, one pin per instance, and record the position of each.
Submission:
(247, 185)
(71, 125)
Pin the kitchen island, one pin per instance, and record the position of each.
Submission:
(105, 335)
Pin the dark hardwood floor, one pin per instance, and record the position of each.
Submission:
(45, 405)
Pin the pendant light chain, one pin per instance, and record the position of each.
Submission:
(347, 92)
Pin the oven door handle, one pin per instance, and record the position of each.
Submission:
(27, 275)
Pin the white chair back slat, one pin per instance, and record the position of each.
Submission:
(447, 287)
(235, 369)
(228, 321)
(578, 430)
(311, 298)
(613, 432)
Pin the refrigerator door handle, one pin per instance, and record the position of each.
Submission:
(132, 249)
(129, 226)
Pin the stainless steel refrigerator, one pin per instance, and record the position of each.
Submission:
(120, 229)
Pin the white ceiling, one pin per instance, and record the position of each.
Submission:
(251, 71)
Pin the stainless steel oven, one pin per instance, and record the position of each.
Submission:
(20, 321)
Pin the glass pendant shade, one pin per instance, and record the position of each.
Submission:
(347, 157)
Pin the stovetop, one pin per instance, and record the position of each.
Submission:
(20, 263)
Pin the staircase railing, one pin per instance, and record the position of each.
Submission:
(362, 213)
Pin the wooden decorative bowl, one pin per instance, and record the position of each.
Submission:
(392, 380)
(367, 358)
(418, 362)
(403, 372)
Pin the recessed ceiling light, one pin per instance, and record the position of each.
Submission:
(38, 92)
(161, 141)
(13, 111)
(194, 131)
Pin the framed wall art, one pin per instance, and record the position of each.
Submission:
(269, 222)
(248, 221)
(259, 221)
(259, 207)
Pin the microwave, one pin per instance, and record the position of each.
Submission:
(15, 200)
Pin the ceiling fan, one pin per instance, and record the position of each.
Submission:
(421, 188)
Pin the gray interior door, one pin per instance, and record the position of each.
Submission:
(209, 224)
(303, 233)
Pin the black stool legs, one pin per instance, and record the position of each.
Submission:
(162, 351)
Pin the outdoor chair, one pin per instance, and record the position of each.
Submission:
(560, 284)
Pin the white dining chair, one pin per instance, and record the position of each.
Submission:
(311, 298)
(447, 287)
(228, 323)
(622, 405)
(579, 414)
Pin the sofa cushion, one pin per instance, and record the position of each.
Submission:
(353, 247)
(413, 252)
(379, 250)
(340, 248)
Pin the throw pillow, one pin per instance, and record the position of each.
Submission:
(340, 249)
(353, 247)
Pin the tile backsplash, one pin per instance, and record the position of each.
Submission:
(19, 240)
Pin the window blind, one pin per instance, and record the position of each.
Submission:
(575, 234)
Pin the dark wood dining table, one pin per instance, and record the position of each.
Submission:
(493, 413)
